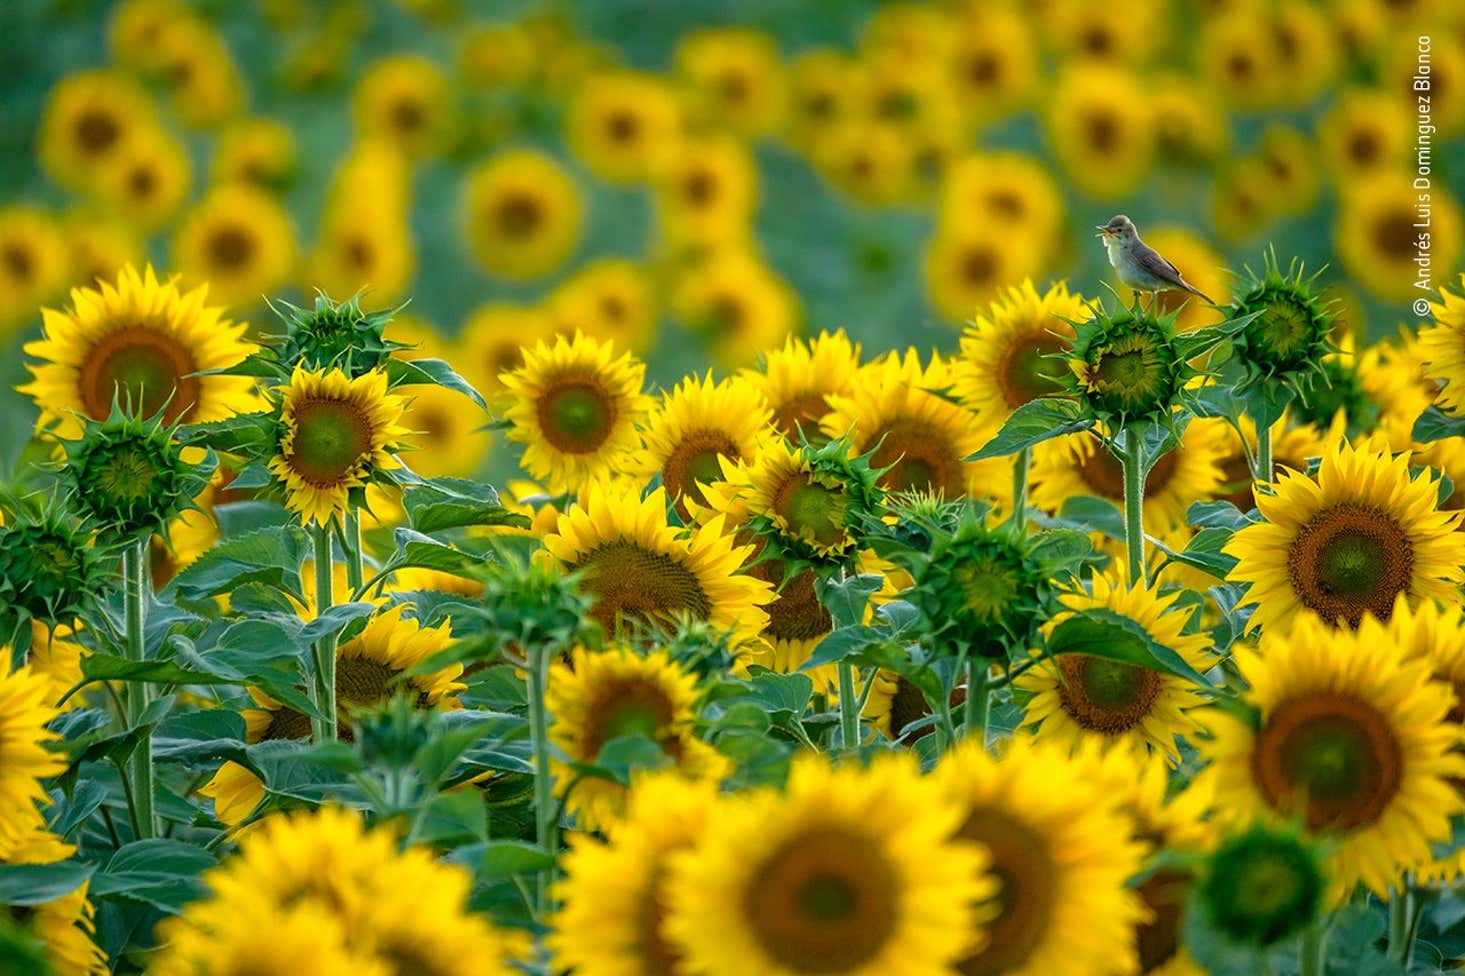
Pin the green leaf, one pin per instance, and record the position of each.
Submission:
(1085, 513)
(36, 884)
(452, 819)
(430, 372)
(788, 693)
(1188, 345)
(253, 435)
(845, 598)
(162, 873)
(623, 755)
(417, 550)
(1203, 552)
(1216, 515)
(506, 858)
(1106, 634)
(838, 645)
(271, 556)
(99, 666)
(1034, 422)
(450, 503)
(434, 760)
(1436, 425)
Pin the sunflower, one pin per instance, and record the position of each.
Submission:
(363, 250)
(1377, 238)
(965, 269)
(1077, 697)
(258, 150)
(1101, 132)
(873, 162)
(994, 65)
(1062, 853)
(636, 565)
(1294, 446)
(99, 248)
(33, 262)
(1289, 160)
(1009, 353)
(611, 299)
(1442, 348)
(56, 655)
(25, 711)
(239, 240)
(64, 925)
(1080, 464)
(492, 341)
(493, 55)
(136, 25)
(599, 696)
(706, 191)
(920, 439)
(1446, 78)
(1305, 51)
(821, 93)
(1348, 542)
(797, 380)
(1241, 199)
(199, 72)
(147, 180)
(306, 936)
(143, 341)
(814, 505)
(448, 435)
(522, 214)
(575, 405)
(1087, 32)
(1352, 738)
(1236, 59)
(336, 433)
(619, 122)
(370, 667)
(848, 870)
(404, 100)
(698, 424)
(736, 303)
(736, 78)
(1190, 124)
(612, 897)
(1366, 133)
(1005, 189)
(89, 117)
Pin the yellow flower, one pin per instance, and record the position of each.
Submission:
(1289, 161)
(1062, 853)
(99, 248)
(1080, 697)
(1446, 75)
(1377, 240)
(493, 340)
(136, 26)
(1366, 133)
(871, 161)
(363, 250)
(142, 340)
(1352, 738)
(195, 65)
(575, 405)
(1007, 190)
(1442, 347)
(64, 925)
(1349, 542)
(495, 54)
(966, 268)
(736, 78)
(25, 710)
(338, 432)
(737, 303)
(259, 151)
(695, 426)
(447, 431)
(404, 100)
(1190, 122)
(1106, 33)
(34, 265)
(637, 565)
(848, 870)
(706, 191)
(994, 66)
(89, 117)
(618, 123)
(797, 380)
(610, 299)
(522, 214)
(1102, 131)
(1236, 58)
(821, 93)
(1304, 51)
(147, 180)
(239, 240)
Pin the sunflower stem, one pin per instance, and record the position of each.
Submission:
(134, 614)
(1134, 502)
(1314, 958)
(351, 546)
(325, 648)
(1402, 905)
(849, 708)
(1263, 473)
(1020, 465)
(978, 698)
(545, 816)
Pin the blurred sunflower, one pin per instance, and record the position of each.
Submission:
(239, 240)
(136, 27)
(89, 117)
(64, 925)
(522, 214)
(611, 299)
(404, 99)
(848, 870)
(448, 432)
(1101, 129)
(797, 379)
(147, 180)
(822, 93)
(25, 712)
(1190, 123)
(908, 34)
(363, 250)
(1290, 162)
(697, 425)
(736, 78)
(1241, 199)
(1236, 58)
(872, 162)
(1061, 852)
(195, 66)
(1352, 739)
(56, 656)
(736, 303)
(706, 191)
(600, 696)
(638, 566)
(612, 897)
(994, 65)
(1304, 51)
(1078, 697)
(141, 340)
(493, 54)
(34, 264)
(1442, 347)
(617, 124)
(492, 341)
(907, 96)
(965, 269)
(99, 247)
(258, 150)
(1366, 133)
(1007, 190)
(305, 935)
(1349, 542)
(337, 432)
(575, 406)
(1377, 238)
(1446, 79)
(1121, 36)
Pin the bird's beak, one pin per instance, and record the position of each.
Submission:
(1102, 232)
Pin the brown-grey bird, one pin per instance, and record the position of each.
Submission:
(1140, 266)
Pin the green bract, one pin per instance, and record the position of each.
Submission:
(1127, 366)
(1289, 335)
(48, 568)
(1263, 885)
(339, 335)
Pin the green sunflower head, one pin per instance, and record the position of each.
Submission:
(1263, 885)
(1337, 386)
(127, 475)
(1127, 366)
(1288, 337)
(335, 334)
(48, 568)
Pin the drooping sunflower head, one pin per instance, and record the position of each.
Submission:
(637, 566)
(337, 435)
(1290, 335)
(1263, 884)
(48, 569)
(797, 379)
(144, 342)
(128, 475)
(1011, 354)
(575, 407)
(1125, 365)
(698, 424)
(1348, 542)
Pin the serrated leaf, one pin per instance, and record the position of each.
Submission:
(416, 550)
(506, 858)
(430, 372)
(1436, 425)
(1034, 422)
(1106, 634)
(272, 556)
(450, 503)
(251, 434)
(845, 598)
(1203, 552)
(36, 884)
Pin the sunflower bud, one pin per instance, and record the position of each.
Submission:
(336, 335)
(48, 570)
(1126, 365)
(1289, 335)
(1263, 885)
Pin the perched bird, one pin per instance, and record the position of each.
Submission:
(1139, 265)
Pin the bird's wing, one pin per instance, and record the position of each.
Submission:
(1149, 259)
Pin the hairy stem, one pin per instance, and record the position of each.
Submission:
(545, 814)
(138, 693)
(1263, 472)
(1020, 466)
(978, 698)
(1134, 501)
(325, 647)
(849, 708)
(351, 546)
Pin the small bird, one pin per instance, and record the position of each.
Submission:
(1139, 265)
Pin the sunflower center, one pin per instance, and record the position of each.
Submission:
(1106, 696)
(576, 417)
(613, 309)
(18, 261)
(796, 614)
(1393, 234)
(1158, 940)
(142, 366)
(125, 475)
(1103, 132)
(802, 411)
(700, 187)
(358, 252)
(287, 723)
(1028, 370)
(518, 215)
(622, 127)
(628, 580)
(1349, 560)
(142, 182)
(407, 115)
(694, 459)
(96, 132)
(919, 458)
(1009, 204)
(1022, 860)
(1240, 66)
(331, 438)
(982, 69)
(812, 510)
(363, 682)
(230, 248)
(823, 902)
(1128, 375)
(1282, 331)
(628, 707)
(1334, 753)
(978, 264)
